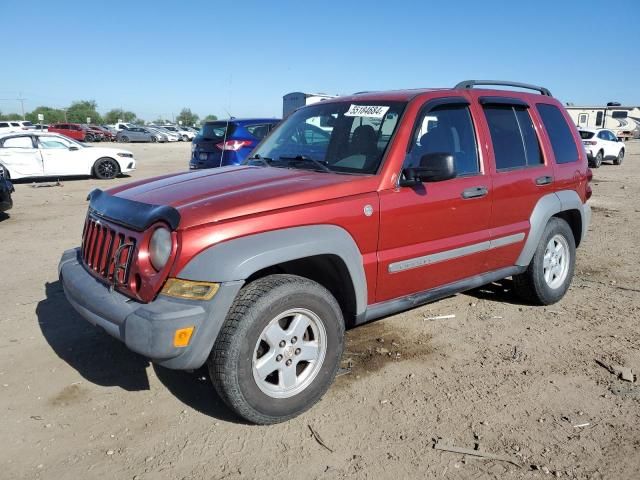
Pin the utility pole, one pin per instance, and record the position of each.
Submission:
(21, 99)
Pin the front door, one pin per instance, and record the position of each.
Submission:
(436, 233)
(61, 157)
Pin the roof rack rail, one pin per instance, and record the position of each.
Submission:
(472, 83)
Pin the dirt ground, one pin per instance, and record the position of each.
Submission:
(513, 380)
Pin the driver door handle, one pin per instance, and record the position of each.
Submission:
(474, 192)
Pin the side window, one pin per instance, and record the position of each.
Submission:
(564, 147)
(603, 135)
(515, 143)
(53, 143)
(18, 142)
(446, 129)
(612, 137)
(4, 125)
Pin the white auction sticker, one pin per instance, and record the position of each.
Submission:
(371, 111)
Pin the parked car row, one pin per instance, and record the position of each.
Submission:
(8, 126)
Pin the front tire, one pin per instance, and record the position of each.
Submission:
(154, 139)
(597, 162)
(185, 138)
(106, 168)
(279, 348)
(124, 139)
(620, 158)
(550, 271)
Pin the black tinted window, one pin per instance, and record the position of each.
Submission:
(515, 144)
(259, 131)
(586, 135)
(447, 129)
(564, 147)
(216, 130)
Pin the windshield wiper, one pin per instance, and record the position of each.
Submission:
(304, 158)
(266, 161)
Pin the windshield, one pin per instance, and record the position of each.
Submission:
(216, 130)
(343, 137)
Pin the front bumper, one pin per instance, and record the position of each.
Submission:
(147, 328)
(127, 164)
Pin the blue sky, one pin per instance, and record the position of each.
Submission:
(155, 57)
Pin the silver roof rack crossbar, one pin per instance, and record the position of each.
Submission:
(472, 83)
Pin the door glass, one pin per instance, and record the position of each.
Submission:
(446, 129)
(53, 143)
(515, 143)
(18, 142)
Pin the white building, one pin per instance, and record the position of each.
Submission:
(294, 100)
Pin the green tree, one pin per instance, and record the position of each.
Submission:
(113, 115)
(51, 115)
(187, 117)
(10, 116)
(79, 111)
(210, 118)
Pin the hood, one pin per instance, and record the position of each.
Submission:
(214, 195)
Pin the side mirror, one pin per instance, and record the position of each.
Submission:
(73, 148)
(434, 167)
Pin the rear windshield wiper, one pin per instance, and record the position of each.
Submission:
(304, 158)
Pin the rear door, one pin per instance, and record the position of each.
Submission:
(436, 233)
(521, 174)
(21, 157)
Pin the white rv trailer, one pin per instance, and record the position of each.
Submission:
(624, 121)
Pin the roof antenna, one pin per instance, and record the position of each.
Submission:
(224, 139)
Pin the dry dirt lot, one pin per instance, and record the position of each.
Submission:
(514, 380)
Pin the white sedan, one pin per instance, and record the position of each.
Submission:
(36, 154)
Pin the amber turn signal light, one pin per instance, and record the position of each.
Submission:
(182, 337)
(176, 287)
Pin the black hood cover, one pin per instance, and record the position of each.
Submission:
(137, 216)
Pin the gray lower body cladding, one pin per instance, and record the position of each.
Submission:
(147, 328)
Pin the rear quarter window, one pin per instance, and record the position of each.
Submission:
(559, 133)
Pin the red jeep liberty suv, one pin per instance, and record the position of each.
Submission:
(352, 209)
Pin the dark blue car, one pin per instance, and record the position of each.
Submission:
(223, 142)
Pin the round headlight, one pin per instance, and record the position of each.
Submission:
(160, 248)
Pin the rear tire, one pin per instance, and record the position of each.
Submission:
(620, 158)
(550, 271)
(106, 168)
(259, 362)
(124, 139)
